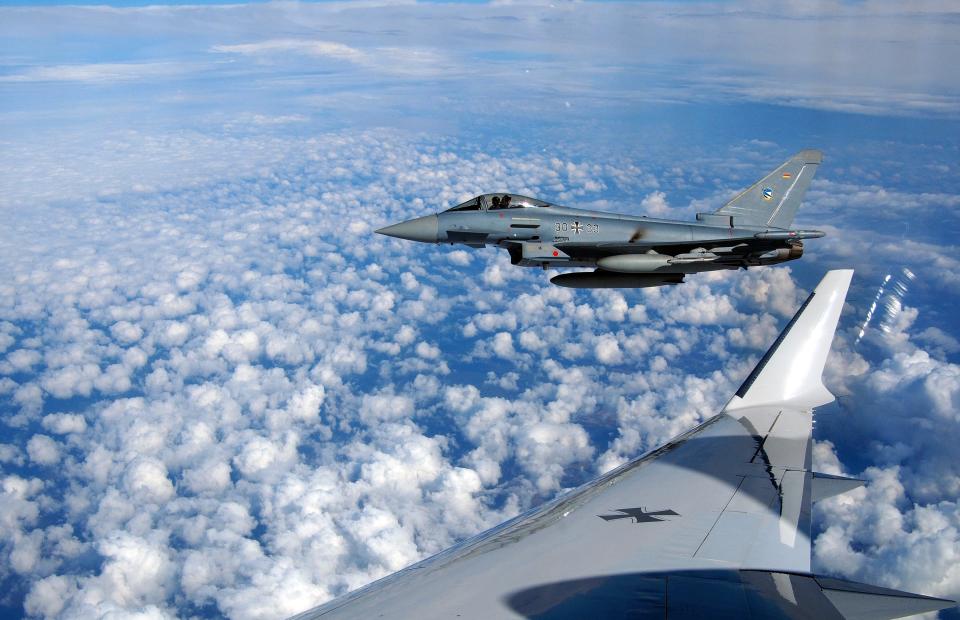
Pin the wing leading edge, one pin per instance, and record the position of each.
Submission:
(716, 522)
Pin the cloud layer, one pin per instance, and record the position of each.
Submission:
(234, 398)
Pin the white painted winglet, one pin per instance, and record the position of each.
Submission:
(790, 373)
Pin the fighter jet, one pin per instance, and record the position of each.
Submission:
(631, 251)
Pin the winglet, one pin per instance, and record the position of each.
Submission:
(790, 373)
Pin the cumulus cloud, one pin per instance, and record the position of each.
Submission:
(503, 345)
(459, 258)
(875, 535)
(43, 450)
(655, 205)
(607, 350)
(146, 480)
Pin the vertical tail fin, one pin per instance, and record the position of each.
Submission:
(773, 201)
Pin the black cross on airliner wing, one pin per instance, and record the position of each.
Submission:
(639, 515)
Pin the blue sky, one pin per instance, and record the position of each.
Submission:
(221, 394)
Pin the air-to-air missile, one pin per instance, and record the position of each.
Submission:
(631, 251)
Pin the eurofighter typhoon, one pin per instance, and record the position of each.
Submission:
(631, 251)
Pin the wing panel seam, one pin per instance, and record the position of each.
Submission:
(722, 510)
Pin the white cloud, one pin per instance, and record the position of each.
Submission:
(211, 476)
(22, 360)
(305, 405)
(607, 350)
(146, 480)
(505, 381)
(874, 537)
(406, 335)
(137, 573)
(390, 59)
(329, 49)
(48, 596)
(428, 351)
(385, 407)
(655, 204)
(126, 332)
(556, 445)
(10, 454)
(43, 450)
(460, 258)
(503, 345)
(99, 72)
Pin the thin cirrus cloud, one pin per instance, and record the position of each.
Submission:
(392, 60)
(327, 49)
(101, 72)
(842, 57)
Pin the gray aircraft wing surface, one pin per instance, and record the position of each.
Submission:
(716, 523)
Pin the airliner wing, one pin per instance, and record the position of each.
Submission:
(716, 523)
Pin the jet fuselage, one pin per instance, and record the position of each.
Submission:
(631, 250)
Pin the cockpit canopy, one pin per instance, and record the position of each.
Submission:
(494, 202)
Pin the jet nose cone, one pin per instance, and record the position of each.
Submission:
(424, 229)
